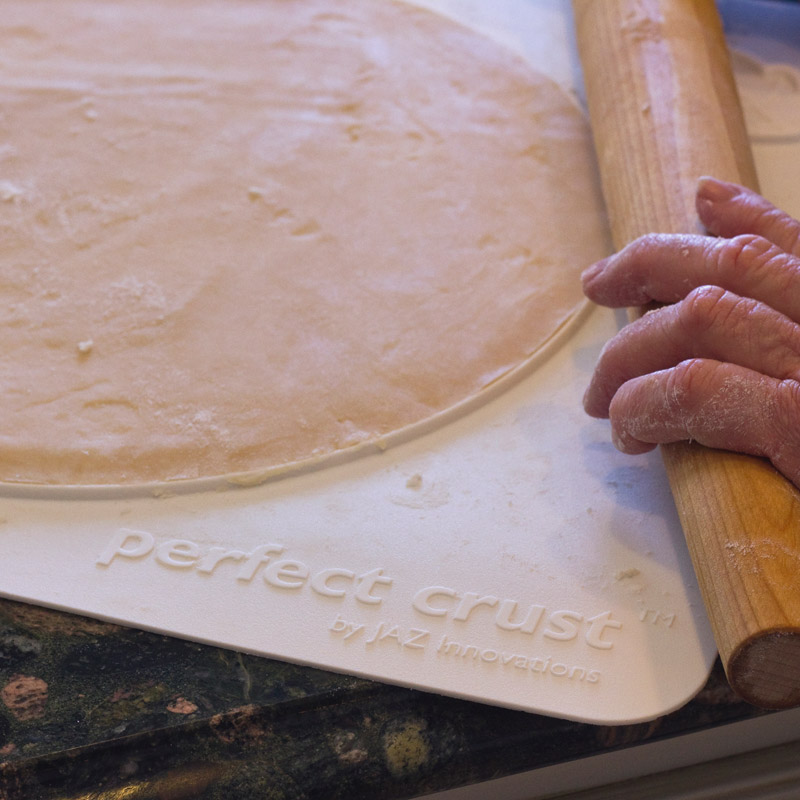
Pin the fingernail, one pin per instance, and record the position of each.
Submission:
(590, 273)
(715, 191)
(587, 401)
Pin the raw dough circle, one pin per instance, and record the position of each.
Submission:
(241, 234)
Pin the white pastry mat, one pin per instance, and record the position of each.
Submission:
(512, 557)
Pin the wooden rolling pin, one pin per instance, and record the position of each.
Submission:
(664, 111)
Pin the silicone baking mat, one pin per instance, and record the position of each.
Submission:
(512, 557)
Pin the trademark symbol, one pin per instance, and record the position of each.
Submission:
(655, 617)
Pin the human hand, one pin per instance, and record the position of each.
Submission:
(721, 364)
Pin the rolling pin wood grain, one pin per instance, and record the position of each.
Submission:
(664, 111)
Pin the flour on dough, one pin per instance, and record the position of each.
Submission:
(237, 235)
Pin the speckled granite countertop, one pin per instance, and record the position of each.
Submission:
(89, 709)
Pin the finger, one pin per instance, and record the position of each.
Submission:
(728, 210)
(718, 405)
(709, 323)
(666, 267)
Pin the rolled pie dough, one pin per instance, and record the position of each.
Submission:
(241, 234)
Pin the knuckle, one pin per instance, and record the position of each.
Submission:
(792, 235)
(742, 253)
(770, 218)
(684, 383)
(694, 385)
(787, 407)
(755, 257)
(793, 230)
(704, 308)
